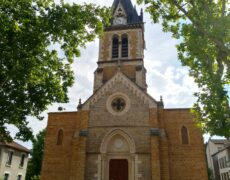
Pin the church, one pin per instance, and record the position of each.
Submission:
(121, 132)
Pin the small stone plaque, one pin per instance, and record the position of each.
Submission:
(154, 132)
(83, 133)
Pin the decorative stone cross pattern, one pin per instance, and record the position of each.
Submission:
(118, 104)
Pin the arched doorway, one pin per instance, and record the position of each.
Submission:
(117, 156)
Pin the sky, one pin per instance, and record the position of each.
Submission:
(165, 75)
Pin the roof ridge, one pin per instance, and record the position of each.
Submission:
(14, 145)
(220, 139)
(97, 95)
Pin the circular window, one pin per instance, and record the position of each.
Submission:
(118, 104)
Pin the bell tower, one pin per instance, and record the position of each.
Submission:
(122, 46)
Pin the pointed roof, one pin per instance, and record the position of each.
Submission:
(131, 11)
(122, 78)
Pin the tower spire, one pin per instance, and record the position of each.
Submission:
(130, 10)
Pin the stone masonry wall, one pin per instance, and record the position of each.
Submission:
(135, 123)
(137, 115)
(66, 161)
(155, 146)
(136, 43)
(186, 161)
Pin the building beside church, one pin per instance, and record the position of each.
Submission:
(221, 163)
(13, 161)
(218, 158)
(121, 132)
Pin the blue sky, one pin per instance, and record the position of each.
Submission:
(165, 75)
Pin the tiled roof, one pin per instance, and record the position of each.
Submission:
(14, 145)
(220, 141)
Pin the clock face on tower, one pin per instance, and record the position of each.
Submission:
(119, 21)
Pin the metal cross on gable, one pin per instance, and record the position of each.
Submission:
(118, 104)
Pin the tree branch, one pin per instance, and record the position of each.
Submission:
(201, 29)
(220, 58)
(223, 8)
(3, 83)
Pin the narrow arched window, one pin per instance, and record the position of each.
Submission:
(60, 137)
(115, 47)
(184, 135)
(124, 46)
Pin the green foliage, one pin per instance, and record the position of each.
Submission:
(210, 174)
(35, 163)
(31, 75)
(35, 178)
(203, 28)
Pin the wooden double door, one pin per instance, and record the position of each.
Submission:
(118, 169)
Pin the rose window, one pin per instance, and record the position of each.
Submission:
(118, 104)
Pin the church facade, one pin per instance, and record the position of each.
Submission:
(121, 132)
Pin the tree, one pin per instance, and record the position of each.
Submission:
(32, 74)
(35, 163)
(203, 28)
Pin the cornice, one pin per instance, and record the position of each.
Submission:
(121, 60)
(124, 27)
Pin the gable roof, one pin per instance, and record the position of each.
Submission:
(14, 145)
(122, 78)
(220, 141)
(132, 16)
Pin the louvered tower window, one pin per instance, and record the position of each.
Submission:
(125, 46)
(115, 47)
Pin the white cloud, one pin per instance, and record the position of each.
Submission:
(174, 85)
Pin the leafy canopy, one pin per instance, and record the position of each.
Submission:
(35, 163)
(203, 28)
(32, 76)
